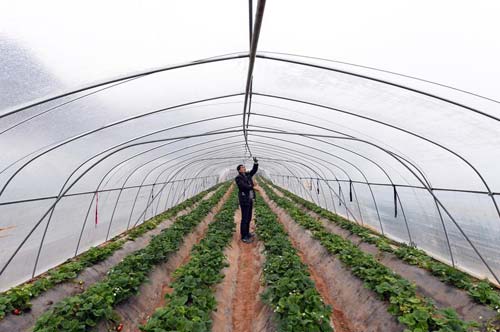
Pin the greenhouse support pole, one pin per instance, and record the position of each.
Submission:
(253, 52)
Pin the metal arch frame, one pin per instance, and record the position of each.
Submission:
(101, 181)
(269, 58)
(227, 150)
(180, 108)
(385, 72)
(139, 187)
(136, 196)
(467, 162)
(153, 199)
(183, 168)
(288, 109)
(413, 172)
(317, 175)
(324, 179)
(346, 149)
(252, 53)
(218, 58)
(94, 156)
(401, 161)
(296, 154)
(397, 195)
(97, 189)
(88, 170)
(168, 168)
(156, 180)
(333, 155)
(63, 104)
(152, 160)
(131, 140)
(139, 191)
(378, 80)
(377, 146)
(380, 222)
(219, 150)
(212, 99)
(115, 123)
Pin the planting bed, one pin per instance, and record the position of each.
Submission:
(446, 286)
(306, 270)
(82, 271)
(85, 310)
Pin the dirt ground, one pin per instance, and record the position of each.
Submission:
(240, 308)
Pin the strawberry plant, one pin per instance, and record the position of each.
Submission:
(191, 303)
(83, 311)
(290, 291)
(417, 313)
(480, 291)
(19, 297)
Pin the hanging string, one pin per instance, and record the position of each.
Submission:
(340, 195)
(317, 186)
(96, 207)
(350, 190)
(395, 201)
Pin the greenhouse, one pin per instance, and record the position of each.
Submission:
(372, 132)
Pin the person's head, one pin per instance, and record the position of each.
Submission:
(241, 168)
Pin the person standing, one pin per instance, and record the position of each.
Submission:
(246, 196)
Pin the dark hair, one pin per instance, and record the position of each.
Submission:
(239, 166)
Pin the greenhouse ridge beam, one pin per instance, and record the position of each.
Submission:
(253, 51)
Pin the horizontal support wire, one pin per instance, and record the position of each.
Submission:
(399, 185)
(82, 193)
(302, 178)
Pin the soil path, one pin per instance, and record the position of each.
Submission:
(428, 285)
(137, 309)
(240, 308)
(88, 277)
(355, 308)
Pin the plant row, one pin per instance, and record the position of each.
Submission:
(18, 298)
(289, 289)
(417, 313)
(189, 307)
(480, 291)
(83, 311)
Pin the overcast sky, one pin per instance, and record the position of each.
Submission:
(452, 42)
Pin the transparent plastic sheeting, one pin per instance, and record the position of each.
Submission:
(132, 142)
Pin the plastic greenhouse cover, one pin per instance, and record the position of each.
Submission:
(157, 109)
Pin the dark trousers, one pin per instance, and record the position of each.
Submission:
(246, 216)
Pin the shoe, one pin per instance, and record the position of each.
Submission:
(247, 240)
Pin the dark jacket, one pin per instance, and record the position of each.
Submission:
(245, 185)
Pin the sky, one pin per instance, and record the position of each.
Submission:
(451, 42)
